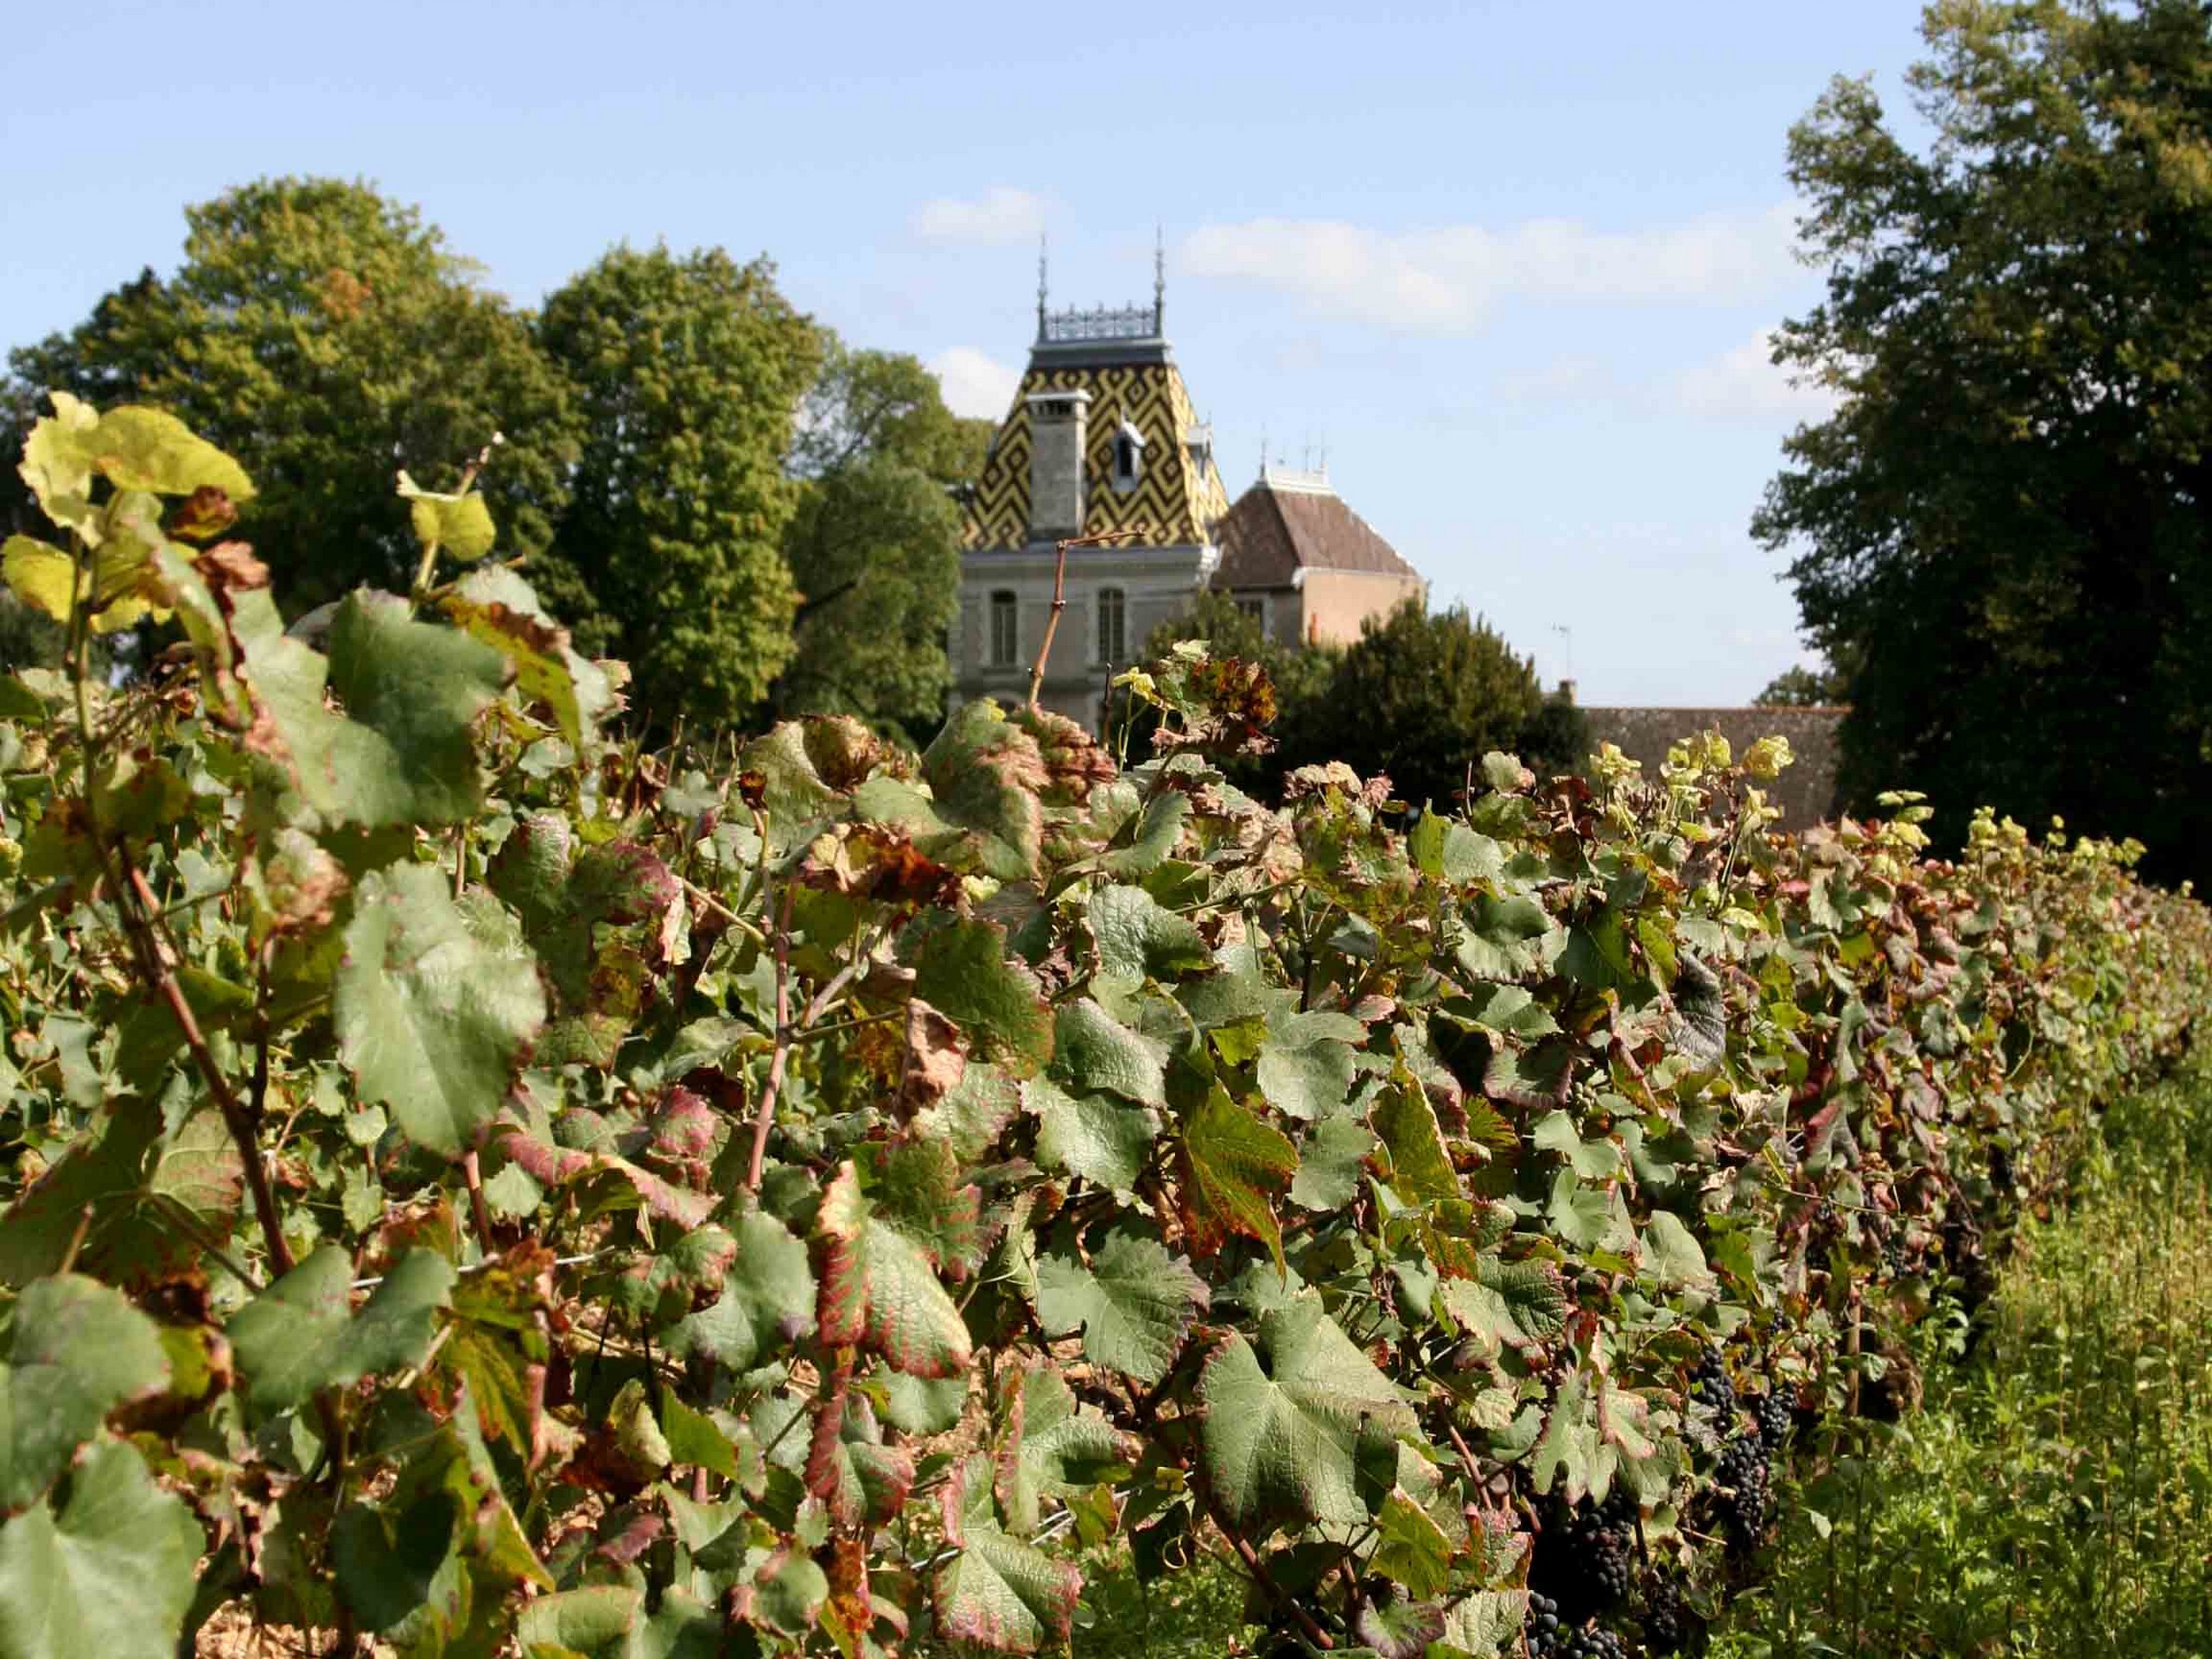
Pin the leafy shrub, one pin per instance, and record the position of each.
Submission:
(470, 1179)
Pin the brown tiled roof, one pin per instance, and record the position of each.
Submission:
(1272, 532)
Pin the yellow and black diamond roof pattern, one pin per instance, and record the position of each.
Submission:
(1176, 503)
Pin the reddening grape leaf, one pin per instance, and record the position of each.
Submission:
(985, 773)
(1234, 1166)
(497, 606)
(998, 1592)
(879, 1287)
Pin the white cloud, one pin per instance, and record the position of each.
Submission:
(1744, 384)
(976, 384)
(1001, 215)
(1449, 280)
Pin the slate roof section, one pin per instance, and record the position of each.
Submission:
(1275, 530)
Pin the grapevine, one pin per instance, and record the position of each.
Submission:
(473, 1181)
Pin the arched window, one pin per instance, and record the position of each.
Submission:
(1005, 629)
(1129, 458)
(1113, 628)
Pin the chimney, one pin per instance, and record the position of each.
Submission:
(1057, 422)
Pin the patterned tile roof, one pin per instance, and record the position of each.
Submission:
(1178, 498)
(1275, 530)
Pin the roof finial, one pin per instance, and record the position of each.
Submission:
(1159, 278)
(1263, 455)
(1040, 284)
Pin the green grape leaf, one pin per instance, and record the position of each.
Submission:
(433, 1002)
(767, 1300)
(594, 1620)
(1093, 1052)
(457, 526)
(1138, 940)
(1306, 1064)
(1541, 1076)
(1485, 1624)
(1520, 1303)
(398, 1566)
(1592, 1160)
(1509, 1010)
(300, 1335)
(1571, 1450)
(1233, 1167)
(1157, 830)
(966, 973)
(108, 1578)
(404, 753)
(1671, 1253)
(77, 1351)
(1065, 1449)
(1133, 1302)
(998, 1592)
(1410, 1549)
(1329, 1162)
(1505, 939)
(1284, 1444)
(1580, 1215)
(1095, 1136)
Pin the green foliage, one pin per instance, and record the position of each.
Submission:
(875, 545)
(2000, 528)
(533, 1187)
(684, 373)
(1803, 687)
(319, 330)
(2050, 1497)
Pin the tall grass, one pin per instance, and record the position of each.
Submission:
(2054, 1495)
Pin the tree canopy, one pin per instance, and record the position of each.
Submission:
(328, 335)
(2002, 528)
(874, 544)
(686, 371)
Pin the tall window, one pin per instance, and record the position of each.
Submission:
(1129, 458)
(1006, 633)
(1113, 630)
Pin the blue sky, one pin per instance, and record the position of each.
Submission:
(1510, 263)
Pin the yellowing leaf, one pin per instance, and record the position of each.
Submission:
(141, 448)
(40, 575)
(459, 526)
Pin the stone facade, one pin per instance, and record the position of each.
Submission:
(1806, 793)
(1314, 571)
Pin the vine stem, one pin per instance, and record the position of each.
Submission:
(236, 1116)
(1104, 538)
(780, 1058)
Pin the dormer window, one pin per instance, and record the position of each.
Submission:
(1129, 458)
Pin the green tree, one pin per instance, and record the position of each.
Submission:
(328, 337)
(2003, 526)
(686, 373)
(1799, 687)
(875, 545)
(1422, 698)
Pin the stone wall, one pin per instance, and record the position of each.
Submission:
(1806, 793)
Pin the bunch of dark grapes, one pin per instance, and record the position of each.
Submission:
(1551, 1636)
(1773, 1416)
(1742, 1478)
(1585, 1558)
(1670, 1625)
(1709, 1384)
